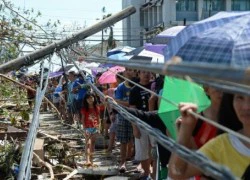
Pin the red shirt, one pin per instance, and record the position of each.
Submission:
(91, 117)
(205, 133)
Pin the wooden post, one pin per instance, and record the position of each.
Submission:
(30, 58)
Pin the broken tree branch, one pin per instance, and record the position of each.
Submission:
(45, 164)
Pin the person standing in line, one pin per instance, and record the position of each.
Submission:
(71, 109)
(80, 88)
(112, 116)
(138, 99)
(90, 121)
(124, 131)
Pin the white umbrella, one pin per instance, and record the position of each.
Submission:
(87, 70)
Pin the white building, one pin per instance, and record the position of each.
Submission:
(152, 16)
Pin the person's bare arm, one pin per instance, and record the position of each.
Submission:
(178, 168)
(124, 103)
(82, 120)
(152, 102)
(136, 131)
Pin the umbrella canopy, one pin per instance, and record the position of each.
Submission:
(55, 74)
(66, 67)
(195, 29)
(108, 77)
(157, 48)
(97, 70)
(145, 56)
(166, 35)
(91, 65)
(228, 44)
(134, 54)
(87, 70)
(119, 56)
(118, 50)
(120, 53)
(178, 90)
(159, 42)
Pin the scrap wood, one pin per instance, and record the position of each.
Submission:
(46, 165)
(49, 136)
(71, 174)
(64, 167)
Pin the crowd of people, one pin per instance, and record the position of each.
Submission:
(80, 105)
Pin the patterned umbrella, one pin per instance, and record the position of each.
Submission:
(228, 44)
(205, 38)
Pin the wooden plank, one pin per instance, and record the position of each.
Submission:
(13, 132)
(38, 148)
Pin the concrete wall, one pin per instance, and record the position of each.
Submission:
(169, 12)
(131, 25)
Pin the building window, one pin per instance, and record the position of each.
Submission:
(160, 15)
(186, 5)
(186, 10)
(214, 5)
(240, 5)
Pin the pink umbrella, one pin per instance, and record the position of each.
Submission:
(108, 77)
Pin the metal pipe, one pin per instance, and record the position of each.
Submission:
(206, 72)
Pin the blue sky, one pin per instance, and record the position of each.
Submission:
(70, 12)
(76, 12)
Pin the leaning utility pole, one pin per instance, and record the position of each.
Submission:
(30, 58)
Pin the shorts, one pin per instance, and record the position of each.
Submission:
(124, 132)
(91, 130)
(142, 147)
(152, 141)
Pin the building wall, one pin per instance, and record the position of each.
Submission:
(131, 25)
(152, 14)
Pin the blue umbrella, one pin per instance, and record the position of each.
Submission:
(215, 51)
(142, 55)
(228, 44)
(195, 29)
(120, 53)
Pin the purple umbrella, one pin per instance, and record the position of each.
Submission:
(55, 74)
(160, 41)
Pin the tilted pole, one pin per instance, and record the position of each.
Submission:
(30, 58)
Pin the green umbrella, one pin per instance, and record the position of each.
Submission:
(178, 90)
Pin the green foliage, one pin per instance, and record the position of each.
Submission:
(25, 115)
(18, 27)
(10, 155)
(58, 151)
